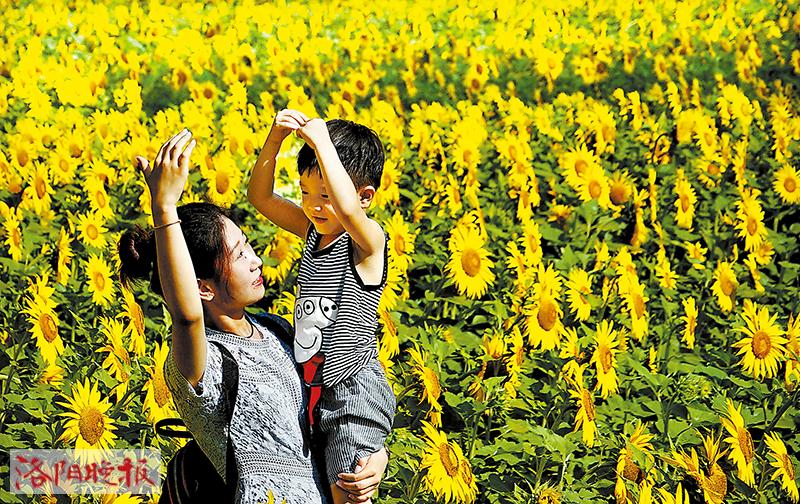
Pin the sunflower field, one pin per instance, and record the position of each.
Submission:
(593, 212)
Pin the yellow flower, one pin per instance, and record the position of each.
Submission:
(585, 417)
(604, 358)
(469, 267)
(787, 184)
(158, 400)
(223, 180)
(280, 255)
(724, 286)
(42, 316)
(620, 188)
(99, 280)
(784, 467)
(685, 202)
(751, 222)
(91, 230)
(98, 198)
(52, 375)
(580, 286)
(576, 163)
(690, 318)
(762, 348)
(681, 496)
(696, 254)
(626, 467)
(594, 186)
(133, 312)
(713, 481)
(401, 240)
(741, 444)
(448, 474)
(87, 424)
(13, 240)
(429, 382)
(117, 362)
(543, 322)
(64, 247)
(636, 302)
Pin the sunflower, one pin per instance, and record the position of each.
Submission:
(389, 333)
(792, 373)
(626, 467)
(763, 347)
(91, 230)
(395, 287)
(99, 201)
(713, 481)
(446, 476)
(99, 275)
(690, 318)
(787, 184)
(13, 233)
(401, 240)
(280, 255)
(532, 243)
(64, 247)
(469, 266)
(87, 424)
(724, 286)
(37, 195)
(636, 302)
(133, 312)
(117, 362)
(52, 374)
(543, 322)
(741, 444)
(681, 496)
(429, 383)
(620, 188)
(696, 254)
(594, 186)
(604, 358)
(576, 164)
(685, 202)
(43, 318)
(223, 181)
(751, 223)
(158, 400)
(586, 416)
(580, 287)
(784, 468)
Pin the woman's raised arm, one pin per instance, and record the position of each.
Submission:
(166, 180)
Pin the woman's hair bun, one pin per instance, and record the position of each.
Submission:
(137, 251)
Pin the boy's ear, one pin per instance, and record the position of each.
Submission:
(365, 195)
(206, 290)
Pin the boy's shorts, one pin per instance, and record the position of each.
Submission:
(355, 416)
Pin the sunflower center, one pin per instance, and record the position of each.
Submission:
(208, 93)
(595, 189)
(606, 358)
(449, 459)
(684, 203)
(580, 166)
(608, 132)
(101, 199)
(512, 153)
(727, 285)
(471, 262)
(41, 187)
(717, 483)
(99, 281)
(746, 445)
(16, 237)
(618, 194)
(48, 326)
(467, 156)
(92, 426)
(160, 390)
(761, 344)
(548, 315)
(223, 182)
(137, 317)
(399, 244)
(713, 169)
(638, 305)
(466, 472)
(790, 184)
(588, 405)
(91, 232)
(432, 383)
(631, 471)
(752, 226)
(788, 466)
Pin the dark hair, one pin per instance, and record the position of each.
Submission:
(359, 149)
(203, 229)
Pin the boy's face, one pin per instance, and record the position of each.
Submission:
(317, 206)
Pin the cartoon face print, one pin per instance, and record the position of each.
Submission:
(311, 315)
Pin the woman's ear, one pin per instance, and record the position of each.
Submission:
(206, 290)
(365, 195)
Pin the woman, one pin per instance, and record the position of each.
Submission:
(202, 265)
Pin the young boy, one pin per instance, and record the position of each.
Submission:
(342, 274)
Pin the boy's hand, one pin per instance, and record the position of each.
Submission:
(286, 121)
(314, 132)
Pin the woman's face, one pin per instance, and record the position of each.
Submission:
(245, 284)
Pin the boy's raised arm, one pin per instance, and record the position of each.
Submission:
(280, 211)
(366, 233)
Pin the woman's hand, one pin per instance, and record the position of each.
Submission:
(362, 484)
(167, 178)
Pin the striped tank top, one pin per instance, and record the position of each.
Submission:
(335, 313)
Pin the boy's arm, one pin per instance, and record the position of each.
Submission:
(366, 233)
(280, 211)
